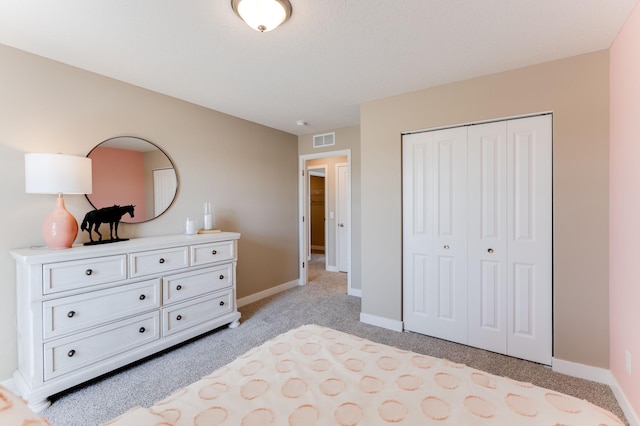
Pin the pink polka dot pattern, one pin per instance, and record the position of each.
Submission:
(484, 380)
(332, 387)
(446, 380)
(253, 389)
(318, 376)
(251, 368)
(521, 405)
(348, 414)
(211, 417)
(562, 403)
(388, 363)
(392, 411)
(339, 348)
(435, 408)
(285, 365)
(354, 364)
(294, 387)
(409, 382)
(212, 391)
(259, 417)
(370, 384)
(423, 362)
(304, 415)
(321, 364)
(479, 406)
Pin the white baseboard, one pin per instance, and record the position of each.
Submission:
(331, 268)
(387, 323)
(355, 292)
(600, 375)
(266, 293)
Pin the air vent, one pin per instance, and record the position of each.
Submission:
(326, 139)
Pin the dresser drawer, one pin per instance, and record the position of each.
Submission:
(184, 315)
(74, 313)
(157, 261)
(64, 276)
(191, 284)
(204, 254)
(74, 352)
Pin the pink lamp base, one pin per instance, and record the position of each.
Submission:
(60, 228)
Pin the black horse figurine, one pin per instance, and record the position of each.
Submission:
(110, 215)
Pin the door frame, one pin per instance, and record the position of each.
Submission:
(303, 196)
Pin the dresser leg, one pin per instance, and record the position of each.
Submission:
(234, 324)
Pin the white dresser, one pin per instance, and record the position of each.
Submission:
(88, 310)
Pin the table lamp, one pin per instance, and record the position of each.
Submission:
(58, 174)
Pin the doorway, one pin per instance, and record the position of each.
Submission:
(336, 166)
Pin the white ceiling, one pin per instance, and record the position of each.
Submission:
(318, 67)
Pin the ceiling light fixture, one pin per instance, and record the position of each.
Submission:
(262, 15)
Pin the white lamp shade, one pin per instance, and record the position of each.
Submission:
(263, 15)
(57, 173)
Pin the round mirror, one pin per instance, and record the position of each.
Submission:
(132, 171)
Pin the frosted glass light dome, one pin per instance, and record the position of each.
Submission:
(262, 15)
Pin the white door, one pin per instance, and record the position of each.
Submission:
(503, 194)
(434, 233)
(342, 194)
(164, 189)
(529, 238)
(487, 244)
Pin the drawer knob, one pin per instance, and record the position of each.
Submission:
(222, 277)
(490, 250)
(142, 330)
(70, 314)
(214, 252)
(71, 353)
(179, 317)
(142, 297)
(161, 260)
(446, 247)
(88, 272)
(222, 303)
(178, 287)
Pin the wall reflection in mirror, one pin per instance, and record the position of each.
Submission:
(131, 170)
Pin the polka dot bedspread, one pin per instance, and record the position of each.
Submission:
(314, 375)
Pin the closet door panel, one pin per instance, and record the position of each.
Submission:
(434, 230)
(529, 237)
(417, 234)
(487, 259)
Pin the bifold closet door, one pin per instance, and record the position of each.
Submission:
(477, 236)
(510, 237)
(434, 233)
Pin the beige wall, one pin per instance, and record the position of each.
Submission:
(576, 90)
(346, 138)
(248, 171)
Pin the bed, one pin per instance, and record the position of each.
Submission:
(314, 375)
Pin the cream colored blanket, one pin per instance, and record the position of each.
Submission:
(314, 375)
